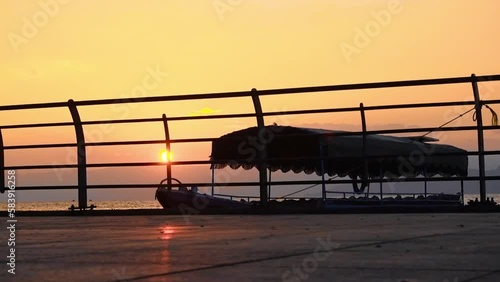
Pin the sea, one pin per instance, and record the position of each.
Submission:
(100, 205)
(131, 205)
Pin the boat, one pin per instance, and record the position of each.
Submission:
(187, 199)
(362, 157)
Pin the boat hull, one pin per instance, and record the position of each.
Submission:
(178, 199)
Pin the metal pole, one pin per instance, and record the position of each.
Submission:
(425, 181)
(381, 185)
(213, 179)
(480, 139)
(81, 157)
(364, 150)
(462, 191)
(167, 146)
(269, 187)
(323, 185)
(2, 164)
(262, 155)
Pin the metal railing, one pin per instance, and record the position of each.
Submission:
(81, 145)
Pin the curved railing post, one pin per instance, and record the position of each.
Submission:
(480, 138)
(167, 146)
(2, 164)
(81, 156)
(261, 154)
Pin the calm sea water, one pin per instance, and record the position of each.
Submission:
(127, 205)
(101, 205)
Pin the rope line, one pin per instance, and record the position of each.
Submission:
(448, 122)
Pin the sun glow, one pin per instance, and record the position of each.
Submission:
(167, 232)
(165, 156)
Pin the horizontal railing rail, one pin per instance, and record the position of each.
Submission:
(237, 94)
(195, 140)
(253, 183)
(203, 162)
(251, 115)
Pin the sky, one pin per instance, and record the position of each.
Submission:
(56, 50)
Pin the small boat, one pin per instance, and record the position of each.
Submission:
(327, 152)
(185, 199)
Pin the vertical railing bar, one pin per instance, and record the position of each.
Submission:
(323, 152)
(169, 153)
(269, 185)
(213, 178)
(262, 154)
(381, 186)
(2, 164)
(364, 149)
(425, 180)
(462, 191)
(480, 139)
(323, 184)
(81, 155)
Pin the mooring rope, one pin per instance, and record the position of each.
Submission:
(494, 116)
(446, 123)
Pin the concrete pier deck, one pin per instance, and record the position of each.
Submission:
(383, 247)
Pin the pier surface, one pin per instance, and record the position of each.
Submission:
(361, 247)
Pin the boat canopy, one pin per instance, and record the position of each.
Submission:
(339, 153)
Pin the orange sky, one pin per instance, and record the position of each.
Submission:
(55, 50)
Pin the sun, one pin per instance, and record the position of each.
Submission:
(165, 156)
